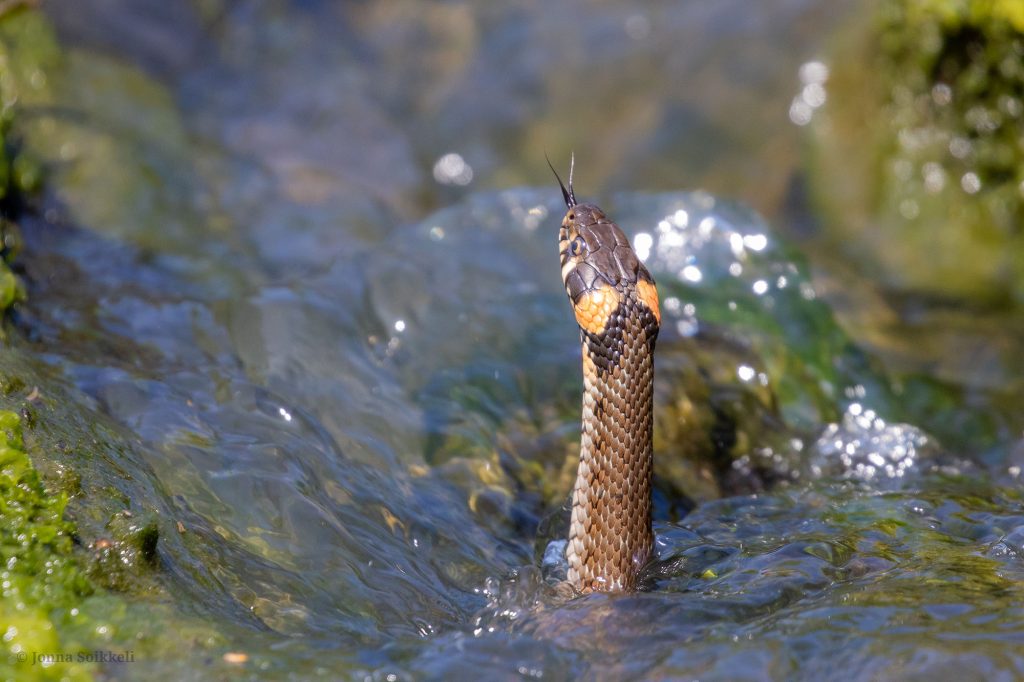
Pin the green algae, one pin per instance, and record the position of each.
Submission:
(28, 55)
(81, 560)
(53, 605)
(118, 562)
(40, 572)
(81, 548)
(917, 152)
(957, 13)
(12, 289)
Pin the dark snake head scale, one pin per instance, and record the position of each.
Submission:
(595, 254)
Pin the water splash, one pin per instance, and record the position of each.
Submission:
(864, 447)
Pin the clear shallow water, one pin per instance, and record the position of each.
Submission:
(364, 413)
(372, 503)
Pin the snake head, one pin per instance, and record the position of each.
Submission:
(595, 252)
(600, 269)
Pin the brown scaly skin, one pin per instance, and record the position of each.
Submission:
(616, 306)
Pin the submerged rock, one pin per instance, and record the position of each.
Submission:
(750, 364)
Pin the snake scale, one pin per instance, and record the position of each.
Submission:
(616, 305)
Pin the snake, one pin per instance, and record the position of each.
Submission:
(615, 302)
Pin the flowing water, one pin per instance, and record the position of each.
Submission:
(290, 298)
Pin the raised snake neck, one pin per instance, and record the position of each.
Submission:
(616, 307)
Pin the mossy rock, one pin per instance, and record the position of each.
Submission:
(40, 572)
(28, 55)
(91, 132)
(917, 158)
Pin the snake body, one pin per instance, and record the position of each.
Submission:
(616, 305)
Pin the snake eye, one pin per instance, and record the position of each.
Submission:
(577, 246)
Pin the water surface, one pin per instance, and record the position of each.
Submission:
(336, 365)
